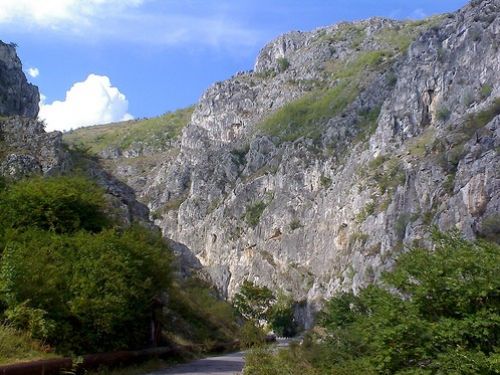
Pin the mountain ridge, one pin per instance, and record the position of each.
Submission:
(343, 147)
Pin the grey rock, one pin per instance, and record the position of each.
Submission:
(17, 96)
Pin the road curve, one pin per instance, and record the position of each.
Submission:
(228, 364)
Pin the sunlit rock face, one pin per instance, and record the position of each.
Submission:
(341, 148)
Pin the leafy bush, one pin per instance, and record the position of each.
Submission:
(251, 335)
(281, 316)
(92, 291)
(283, 64)
(253, 302)
(437, 313)
(62, 205)
(254, 212)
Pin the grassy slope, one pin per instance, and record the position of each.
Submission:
(153, 132)
(306, 116)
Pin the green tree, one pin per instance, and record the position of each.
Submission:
(60, 204)
(437, 312)
(88, 292)
(281, 316)
(254, 302)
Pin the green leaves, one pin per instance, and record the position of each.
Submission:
(66, 277)
(438, 312)
(253, 302)
(60, 204)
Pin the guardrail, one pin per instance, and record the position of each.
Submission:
(94, 361)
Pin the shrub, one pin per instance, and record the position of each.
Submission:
(283, 64)
(61, 204)
(295, 224)
(325, 181)
(251, 336)
(254, 212)
(486, 91)
(443, 114)
(281, 316)
(435, 313)
(254, 302)
(490, 228)
(85, 287)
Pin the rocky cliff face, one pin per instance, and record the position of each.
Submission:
(342, 147)
(17, 96)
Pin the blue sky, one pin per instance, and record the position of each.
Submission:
(150, 56)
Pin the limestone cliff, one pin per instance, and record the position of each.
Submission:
(342, 147)
(17, 96)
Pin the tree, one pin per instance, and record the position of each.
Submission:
(281, 316)
(254, 302)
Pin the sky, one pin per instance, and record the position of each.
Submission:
(100, 61)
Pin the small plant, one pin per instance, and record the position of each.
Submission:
(295, 224)
(443, 114)
(486, 91)
(325, 182)
(254, 212)
(283, 64)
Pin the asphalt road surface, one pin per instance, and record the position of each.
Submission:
(228, 364)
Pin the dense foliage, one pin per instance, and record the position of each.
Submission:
(67, 276)
(438, 313)
(261, 307)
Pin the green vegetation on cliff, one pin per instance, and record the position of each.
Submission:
(154, 132)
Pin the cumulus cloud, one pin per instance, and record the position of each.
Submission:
(33, 72)
(91, 102)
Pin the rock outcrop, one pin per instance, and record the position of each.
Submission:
(17, 96)
(342, 147)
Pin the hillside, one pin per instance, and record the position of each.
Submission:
(342, 147)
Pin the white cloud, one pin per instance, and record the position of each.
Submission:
(153, 22)
(33, 72)
(54, 12)
(91, 102)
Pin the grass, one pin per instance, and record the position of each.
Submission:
(307, 116)
(153, 132)
(18, 346)
(422, 144)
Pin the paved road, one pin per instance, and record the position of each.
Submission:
(228, 364)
